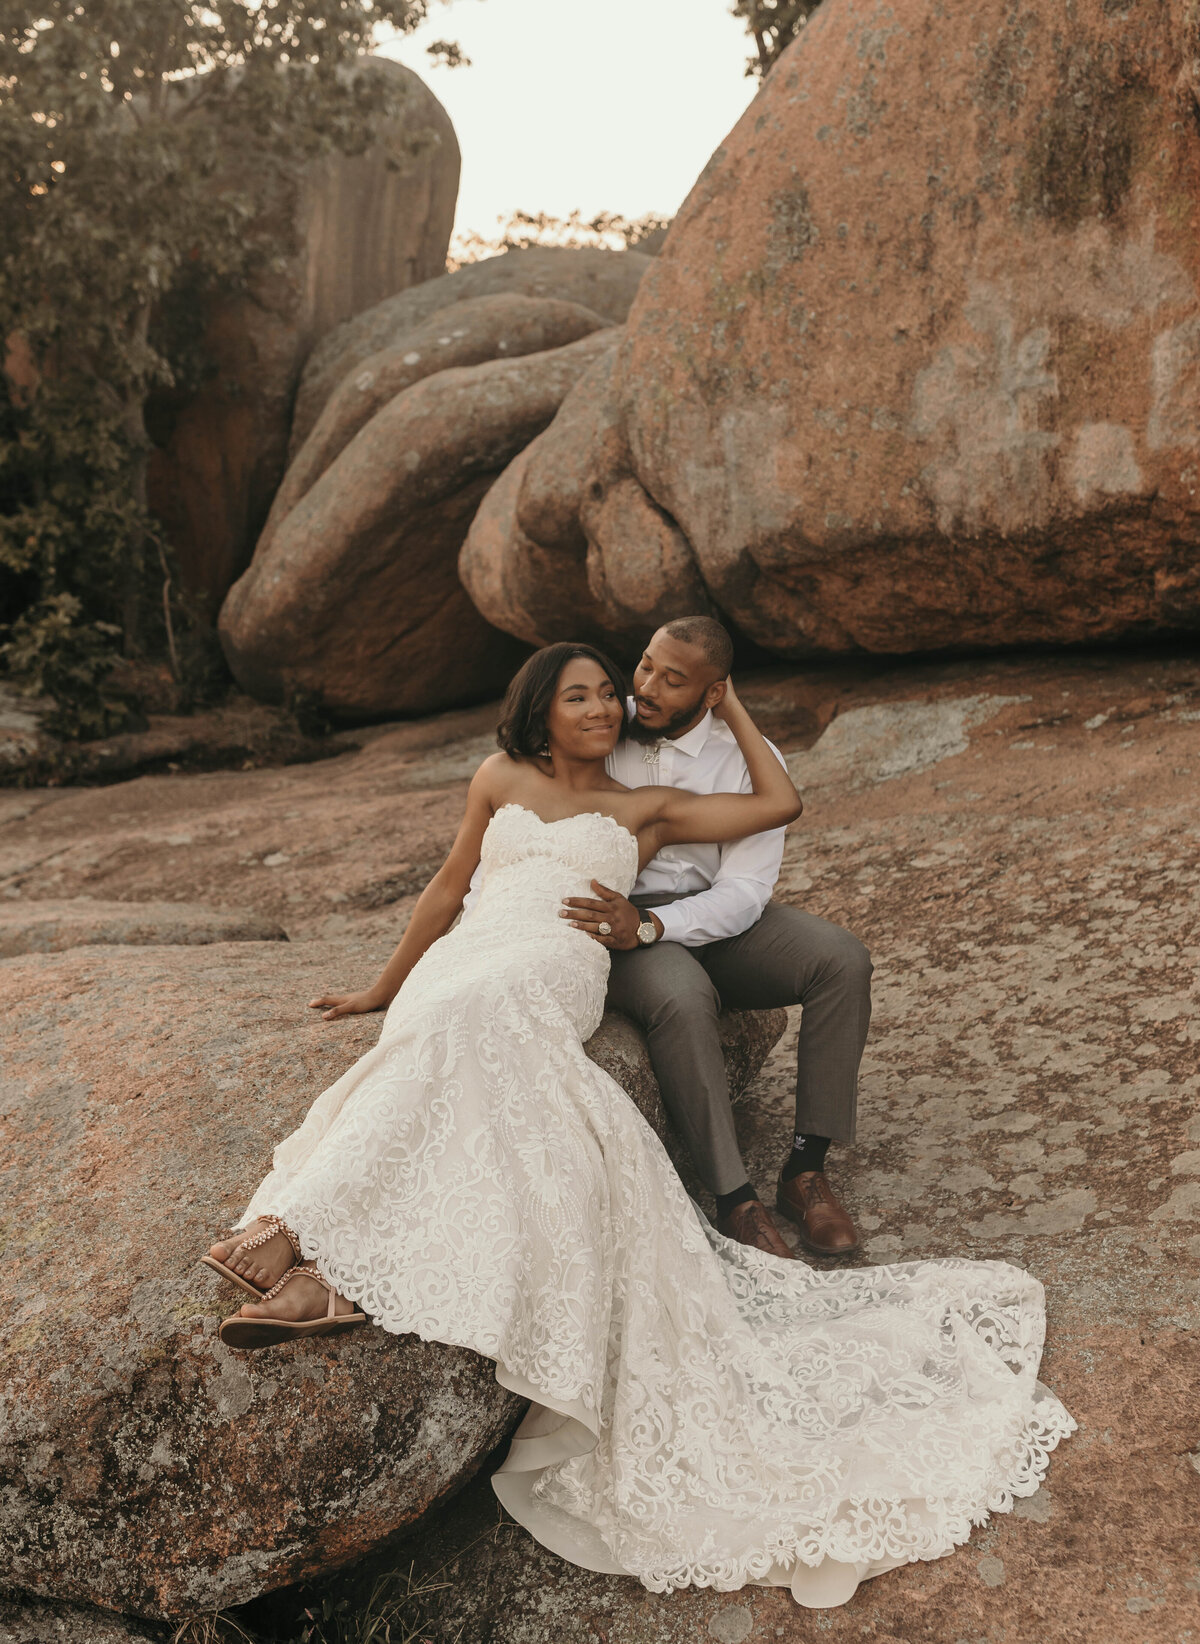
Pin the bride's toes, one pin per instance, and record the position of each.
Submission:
(254, 1269)
(261, 1264)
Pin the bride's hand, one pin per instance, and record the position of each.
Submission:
(333, 1005)
(730, 701)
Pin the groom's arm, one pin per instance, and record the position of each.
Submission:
(731, 904)
(737, 896)
(735, 899)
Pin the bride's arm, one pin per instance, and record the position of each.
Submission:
(677, 817)
(436, 908)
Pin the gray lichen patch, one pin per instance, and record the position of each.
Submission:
(793, 228)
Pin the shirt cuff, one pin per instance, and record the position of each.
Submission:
(674, 920)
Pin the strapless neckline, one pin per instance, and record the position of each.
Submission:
(576, 816)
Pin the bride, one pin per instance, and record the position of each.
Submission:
(701, 1413)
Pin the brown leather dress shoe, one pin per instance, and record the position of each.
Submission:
(749, 1223)
(825, 1224)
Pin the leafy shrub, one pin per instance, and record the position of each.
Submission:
(117, 216)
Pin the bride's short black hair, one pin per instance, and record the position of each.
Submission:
(521, 732)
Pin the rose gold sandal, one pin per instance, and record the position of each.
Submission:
(240, 1331)
(271, 1226)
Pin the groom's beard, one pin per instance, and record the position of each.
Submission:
(676, 722)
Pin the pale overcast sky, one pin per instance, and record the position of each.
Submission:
(602, 107)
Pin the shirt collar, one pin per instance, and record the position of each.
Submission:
(694, 742)
(691, 744)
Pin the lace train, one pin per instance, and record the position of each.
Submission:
(701, 1414)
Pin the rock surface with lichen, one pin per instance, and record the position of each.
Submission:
(148, 1468)
(919, 364)
(603, 281)
(473, 331)
(52, 926)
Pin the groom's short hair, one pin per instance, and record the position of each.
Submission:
(708, 636)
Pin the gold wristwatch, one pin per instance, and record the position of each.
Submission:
(647, 932)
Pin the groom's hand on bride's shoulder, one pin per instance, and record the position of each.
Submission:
(607, 907)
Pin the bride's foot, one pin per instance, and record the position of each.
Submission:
(259, 1256)
(301, 1304)
(304, 1297)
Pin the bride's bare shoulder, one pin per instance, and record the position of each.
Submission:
(498, 780)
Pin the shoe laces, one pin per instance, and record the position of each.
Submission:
(816, 1189)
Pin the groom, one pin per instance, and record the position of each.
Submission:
(700, 931)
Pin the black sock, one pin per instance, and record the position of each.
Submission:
(808, 1153)
(727, 1201)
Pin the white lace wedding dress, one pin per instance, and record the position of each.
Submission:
(701, 1414)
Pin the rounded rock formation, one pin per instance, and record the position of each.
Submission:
(545, 556)
(367, 226)
(355, 598)
(479, 329)
(148, 1469)
(919, 365)
(605, 282)
(34, 1621)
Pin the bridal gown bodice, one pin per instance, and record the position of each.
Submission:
(701, 1413)
(528, 866)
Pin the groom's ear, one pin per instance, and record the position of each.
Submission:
(715, 693)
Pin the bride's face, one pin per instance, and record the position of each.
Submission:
(585, 715)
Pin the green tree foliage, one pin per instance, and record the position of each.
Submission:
(772, 24)
(117, 213)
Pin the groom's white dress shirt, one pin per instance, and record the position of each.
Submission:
(726, 887)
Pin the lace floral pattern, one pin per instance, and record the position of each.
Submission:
(476, 1179)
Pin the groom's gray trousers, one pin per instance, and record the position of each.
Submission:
(788, 957)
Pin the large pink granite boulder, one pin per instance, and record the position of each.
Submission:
(470, 333)
(919, 365)
(546, 556)
(605, 282)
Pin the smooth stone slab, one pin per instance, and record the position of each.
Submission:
(53, 927)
